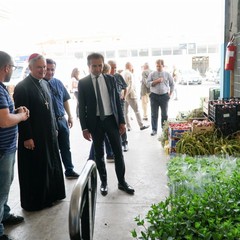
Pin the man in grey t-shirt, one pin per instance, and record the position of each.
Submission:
(161, 86)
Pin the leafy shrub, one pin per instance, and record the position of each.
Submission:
(204, 202)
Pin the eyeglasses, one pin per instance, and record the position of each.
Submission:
(13, 67)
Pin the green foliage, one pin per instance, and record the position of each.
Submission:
(204, 202)
(182, 116)
(164, 136)
(208, 143)
(195, 113)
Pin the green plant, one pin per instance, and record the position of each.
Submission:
(164, 136)
(208, 143)
(204, 205)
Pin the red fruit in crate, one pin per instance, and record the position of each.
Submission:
(195, 121)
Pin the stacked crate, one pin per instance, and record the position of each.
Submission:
(175, 132)
(202, 126)
(225, 114)
(238, 116)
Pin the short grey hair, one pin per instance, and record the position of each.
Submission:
(34, 57)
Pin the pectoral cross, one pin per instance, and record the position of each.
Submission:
(47, 104)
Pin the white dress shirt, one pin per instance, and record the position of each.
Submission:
(104, 94)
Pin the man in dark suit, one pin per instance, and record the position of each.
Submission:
(100, 113)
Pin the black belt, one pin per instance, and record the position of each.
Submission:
(106, 116)
(159, 94)
(60, 118)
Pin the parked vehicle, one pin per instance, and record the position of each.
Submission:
(213, 75)
(189, 76)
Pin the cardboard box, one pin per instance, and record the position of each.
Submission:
(197, 129)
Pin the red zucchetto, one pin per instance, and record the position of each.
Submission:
(34, 55)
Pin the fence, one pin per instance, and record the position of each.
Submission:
(83, 204)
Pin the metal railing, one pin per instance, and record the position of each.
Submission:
(83, 204)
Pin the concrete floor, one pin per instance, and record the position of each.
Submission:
(115, 213)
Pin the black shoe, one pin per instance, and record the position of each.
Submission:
(104, 189)
(5, 237)
(125, 147)
(12, 220)
(145, 119)
(129, 129)
(126, 188)
(71, 175)
(153, 133)
(144, 127)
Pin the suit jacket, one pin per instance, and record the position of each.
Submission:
(88, 102)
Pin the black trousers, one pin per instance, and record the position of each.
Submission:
(124, 135)
(109, 127)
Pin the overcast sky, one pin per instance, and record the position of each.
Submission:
(34, 21)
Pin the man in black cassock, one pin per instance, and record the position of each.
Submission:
(39, 164)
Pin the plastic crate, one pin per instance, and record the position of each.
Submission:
(227, 128)
(238, 116)
(214, 93)
(173, 142)
(177, 133)
(221, 113)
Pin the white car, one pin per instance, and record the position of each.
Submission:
(189, 76)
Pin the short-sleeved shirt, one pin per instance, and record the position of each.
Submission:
(59, 96)
(8, 136)
(163, 87)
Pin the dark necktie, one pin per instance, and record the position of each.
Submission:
(99, 99)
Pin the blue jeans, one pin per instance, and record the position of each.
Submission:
(64, 144)
(109, 151)
(7, 161)
(156, 102)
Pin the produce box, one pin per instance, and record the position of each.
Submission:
(220, 113)
(198, 119)
(202, 126)
(173, 142)
(178, 128)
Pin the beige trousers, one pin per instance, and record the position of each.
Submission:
(145, 101)
(132, 102)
